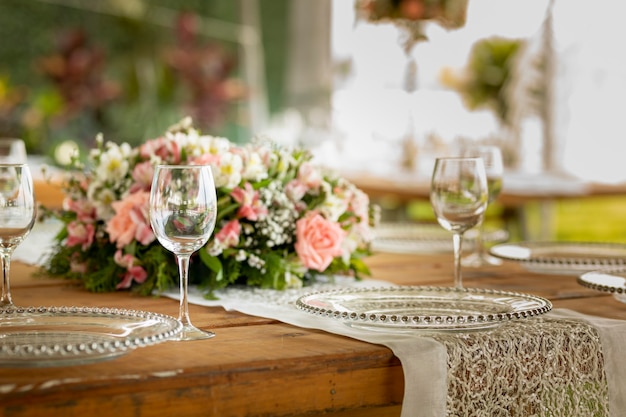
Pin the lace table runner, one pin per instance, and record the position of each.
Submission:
(562, 364)
(543, 367)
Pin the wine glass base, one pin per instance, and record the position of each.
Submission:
(476, 260)
(190, 332)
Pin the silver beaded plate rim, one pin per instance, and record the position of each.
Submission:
(410, 307)
(67, 335)
(562, 257)
(605, 280)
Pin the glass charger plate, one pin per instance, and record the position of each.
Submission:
(423, 308)
(610, 280)
(60, 336)
(569, 258)
(426, 238)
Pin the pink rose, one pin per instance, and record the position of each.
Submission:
(318, 241)
(131, 220)
(80, 234)
(229, 235)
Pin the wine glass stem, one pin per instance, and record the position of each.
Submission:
(480, 247)
(6, 287)
(183, 271)
(457, 240)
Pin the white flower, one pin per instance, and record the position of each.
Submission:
(113, 165)
(101, 197)
(292, 280)
(333, 207)
(254, 169)
(228, 173)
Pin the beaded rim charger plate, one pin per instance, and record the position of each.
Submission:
(61, 336)
(568, 258)
(610, 280)
(411, 238)
(423, 308)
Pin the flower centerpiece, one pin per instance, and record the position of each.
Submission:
(281, 219)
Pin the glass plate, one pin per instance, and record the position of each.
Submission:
(59, 336)
(423, 308)
(569, 258)
(610, 280)
(426, 238)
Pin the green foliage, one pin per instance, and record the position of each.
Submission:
(489, 70)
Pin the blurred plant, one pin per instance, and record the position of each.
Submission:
(11, 97)
(76, 70)
(206, 70)
(483, 81)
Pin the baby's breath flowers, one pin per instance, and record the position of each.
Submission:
(281, 219)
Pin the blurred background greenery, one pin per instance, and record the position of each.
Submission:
(130, 68)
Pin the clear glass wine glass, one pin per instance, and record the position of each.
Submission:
(12, 151)
(494, 168)
(458, 195)
(17, 216)
(183, 209)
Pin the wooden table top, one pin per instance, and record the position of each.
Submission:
(254, 366)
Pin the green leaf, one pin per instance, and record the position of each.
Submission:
(213, 263)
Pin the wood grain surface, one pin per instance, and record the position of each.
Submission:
(254, 366)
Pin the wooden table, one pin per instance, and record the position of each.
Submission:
(254, 366)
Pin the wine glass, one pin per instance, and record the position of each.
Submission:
(458, 195)
(17, 217)
(12, 151)
(492, 158)
(183, 209)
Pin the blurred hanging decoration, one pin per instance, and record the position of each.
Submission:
(207, 71)
(410, 17)
(494, 78)
(486, 75)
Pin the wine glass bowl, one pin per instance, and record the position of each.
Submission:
(18, 212)
(458, 195)
(494, 167)
(183, 211)
(12, 151)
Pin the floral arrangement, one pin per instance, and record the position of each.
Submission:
(281, 219)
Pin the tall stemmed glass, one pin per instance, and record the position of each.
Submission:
(492, 158)
(458, 195)
(183, 209)
(17, 217)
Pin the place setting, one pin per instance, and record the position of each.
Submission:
(563, 258)
(44, 336)
(608, 280)
(459, 197)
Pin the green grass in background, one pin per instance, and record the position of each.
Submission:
(597, 219)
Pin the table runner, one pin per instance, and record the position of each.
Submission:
(561, 364)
